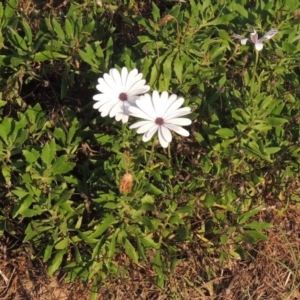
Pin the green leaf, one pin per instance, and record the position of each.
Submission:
(27, 30)
(225, 133)
(158, 267)
(26, 202)
(243, 218)
(59, 134)
(58, 30)
(56, 262)
(258, 225)
(62, 166)
(86, 238)
(112, 245)
(141, 250)
(48, 152)
(148, 242)
(105, 224)
(47, 55)
(17, 40)
(155, 12)
(209, 200)
(62, 244)
(30, 157)
(275, 121)
(65, 196)
(167, 71)
(48, 252)
(2, 102)
(87, 57)
(10, 8)
(240, 9)
(69, 29)
(89, 27)
(252, 236)
(130, 251)
(178, 67)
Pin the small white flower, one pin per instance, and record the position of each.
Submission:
(118, 92)
(258, 43)
(161, 113)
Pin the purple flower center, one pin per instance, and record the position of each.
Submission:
(123, 97)
(159, 121)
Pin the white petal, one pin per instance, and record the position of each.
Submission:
(141, 124)
(109, 80)
(173, 107)
(177, 129)
(103, 87)
(124, 75)
(164, 136)
(106, 103)
(138, 88)
(122, 117)
(117, 78)
(107, 107)
(138, 113)
(125, 119)
(116, 109)
(103, 97)
(105, 112)
(158, 102)
(268, 35)
(145, 104)
(149, 134)
(178, 113)
(131, 78)
(97, 105)
(166, 133)
(244, 41)
(179, 121)
(146, 127)
(259, 46)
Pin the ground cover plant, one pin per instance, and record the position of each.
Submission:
(137, 136)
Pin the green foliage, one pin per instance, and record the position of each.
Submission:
(60, 177)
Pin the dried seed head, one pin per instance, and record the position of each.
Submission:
(165, 20)
(126, 183)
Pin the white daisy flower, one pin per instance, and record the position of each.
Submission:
(258, 43)
(160, 113)
(118, 92)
